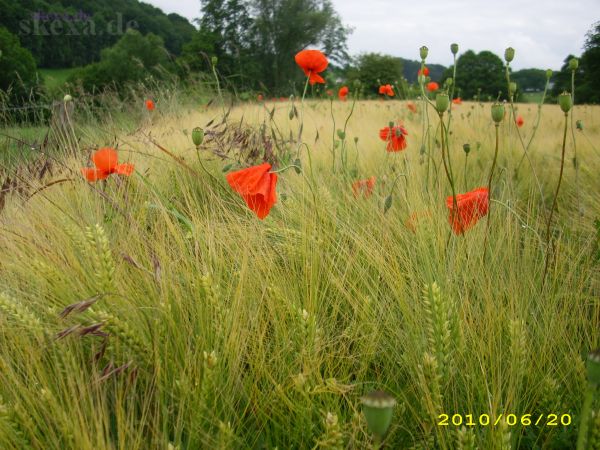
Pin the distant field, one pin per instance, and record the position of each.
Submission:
(55, 78)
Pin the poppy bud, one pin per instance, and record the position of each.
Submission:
(391, 124)
(579, 125)
(197, 136)
(467, 148)
(573, 64)
(548, 73)
(442, 101)
(593, 367)
(378, 407)
(498, 112)
(565, 102)
(67, 98)
(214, 60)
(512, 87)
(454, 48)
(509, 54)
(341, 134)
(423, 51)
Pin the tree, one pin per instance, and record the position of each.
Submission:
(530, 79)
(375, 69)
(475, 71)
(562, 79)
(589, 91)
(18, 77)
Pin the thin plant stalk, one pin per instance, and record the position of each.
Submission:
(489, 213)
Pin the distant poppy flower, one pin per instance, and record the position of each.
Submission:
(282, 99)
(395, 138)
(471, 207)
(520, 121)
(150, 105)
(257, 186)
(412, 107)
(457, 101)
(363, 186)
(387, 89)
(343, 93)
(260, 97)
(425, 72)
(329, 92)
(432, 86)
(106, 161)
(312, 62)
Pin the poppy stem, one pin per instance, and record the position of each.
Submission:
(283, 169)
(489, 214)
(454, 202)
(332, 136)
(562, 165)
(302, 109)
(575, 160)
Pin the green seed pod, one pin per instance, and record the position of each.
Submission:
(356, 84)
(449, 81)
(214, 60)
(197, 136)
(573, 64)
(423, 51)
(579, 125)
(391, 124)
(67, 98)
(548, 74)
(593, 367)
(341, 134)
(378, 407)
(467, 148)
(509, 54)
(442, 101)
(498, 112)
(454, 48)
(512, 87)
(565, 102)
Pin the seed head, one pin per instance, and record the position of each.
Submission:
(423, 51)
(454, 48)
(378, 407)
(498, 112)
(442, 101)
(573, 64)
(565, 102)
(509, 54)
(197, 136)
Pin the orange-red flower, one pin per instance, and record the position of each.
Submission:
(412, 107)
(312, 62)
(395, 138)
(150, 105)
(387, 89)
(520, 121)
(457, 101)
(106, 161)
(257, 186)
(260, 97)
(363, 186)
(432, 86)
(343, 93)
(425, 72)
(470, 207)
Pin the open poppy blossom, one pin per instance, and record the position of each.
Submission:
(457, 101)
(425, 72)
(343, 93)
(312, 62)
(432, 86)
(520, 121)
(257, 186)
(260, 97)
(363, 186)
(471, 207)
(387, 89)
(150, 105)
(106, 161)
(395, 138)
(411, 107)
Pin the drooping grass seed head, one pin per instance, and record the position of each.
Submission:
(423, 52)
(573, 64)
(197, 136)
(378, 407)
(498, 112)
(442, 101)
(565, 102)
(593, 367)
(454, 48)
(509, 54)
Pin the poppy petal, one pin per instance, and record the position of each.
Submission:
(92, 175)
(124, 169)
(105, 159)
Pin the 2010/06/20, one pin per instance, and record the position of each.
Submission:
(484, 420)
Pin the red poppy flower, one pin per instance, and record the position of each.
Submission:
(520, 121)
(106, 161)
(432, 86)
(387, 89)
(363, 186)
(471, 206)
(312, 62)
(412, 107)
(343, 93)
(260, 97)
(395, 138)
(150, 105)
(457, 101)
(257, 186)
(425, 72)
(283, 99)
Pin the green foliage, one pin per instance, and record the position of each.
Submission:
(530, 79)
(132, 59)
(375, 69)
(58, 41)
(411, 67)
(475, 71)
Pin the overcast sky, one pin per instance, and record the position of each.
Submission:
(543, 32)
